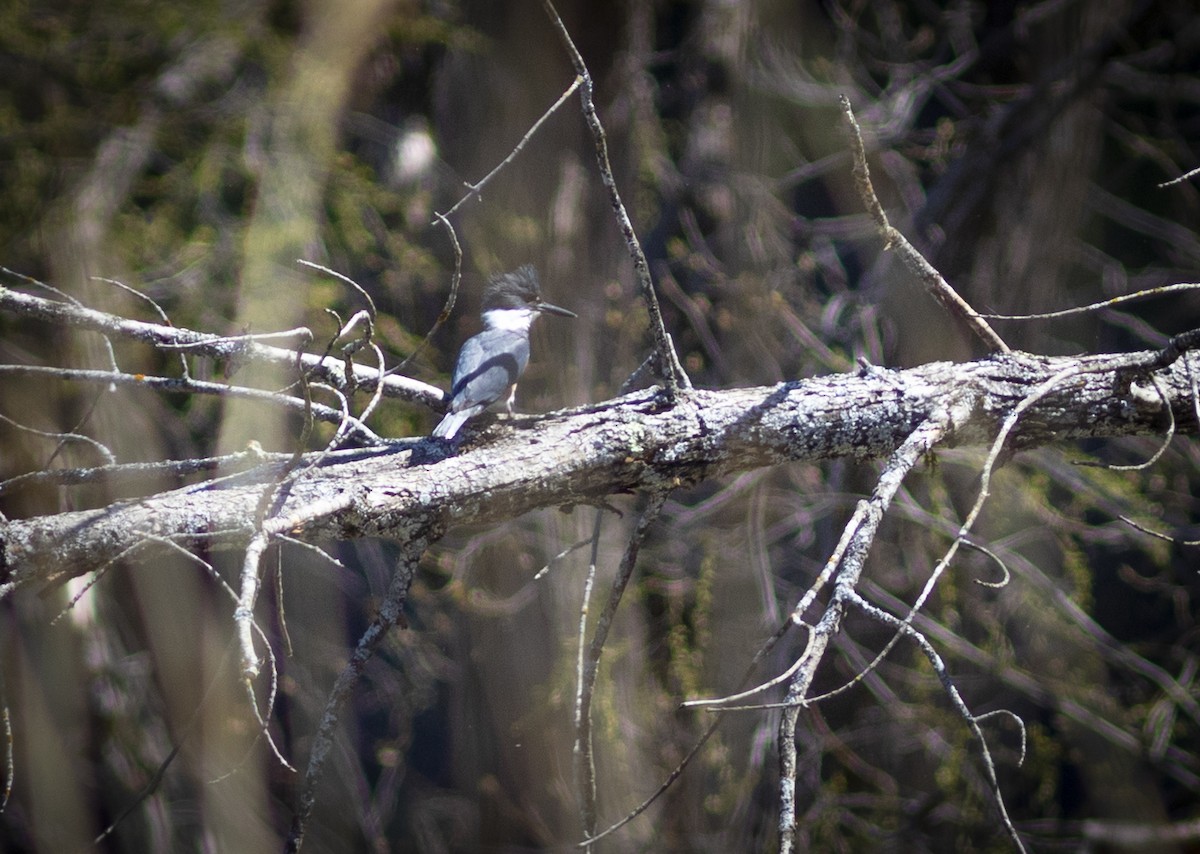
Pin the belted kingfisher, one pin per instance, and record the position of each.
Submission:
(490, 363)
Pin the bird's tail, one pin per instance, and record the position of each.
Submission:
(450, 424)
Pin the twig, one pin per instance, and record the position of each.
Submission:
(1140, 527)
(119, 475)
(184, 385)
(161, 771)
(960, 538)
(263, 721)
(673, 374)
(763, 651)
(243, 614)
(158, 309)
(66, 298)
(362, 292)
(1184, 177)
(475, 189)
(1096, 306)
(905, 628)
(9, 764)
(797, 615)
(1165, 401)
(448, 307)
(590, 663)
(1005, 572)
(938, 287)
(663, 787)
(62, 437)
(585, 765)
(845, 591)
(390, 611)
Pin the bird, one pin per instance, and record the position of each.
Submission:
(490, 363)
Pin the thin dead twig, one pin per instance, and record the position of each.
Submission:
(390, 613)
(589, 663)
(475, 189)
(1098, 306)
(673, 375)
(935, 284)
(235, 350)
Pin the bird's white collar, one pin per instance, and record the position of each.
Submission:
(510, 319)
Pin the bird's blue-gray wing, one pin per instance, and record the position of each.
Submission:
(488, 365)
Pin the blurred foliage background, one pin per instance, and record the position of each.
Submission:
(194, 151)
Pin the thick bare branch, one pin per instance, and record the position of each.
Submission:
(628, 444)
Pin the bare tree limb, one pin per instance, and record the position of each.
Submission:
(628, 444)
(234, 350)
(930, 433)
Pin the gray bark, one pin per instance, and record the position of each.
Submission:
(634, 443)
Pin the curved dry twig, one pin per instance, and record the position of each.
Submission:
(473, 190)
(960, 538)
(904, 627)
(182, 385)
(62, 436)
(1158, 534)
(160, 772)
(232, 464)
(447, 307)
(158, 309)
(1097, 306)
(1165, 401)
(797, 615)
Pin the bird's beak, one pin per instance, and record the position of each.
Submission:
(553, 309)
